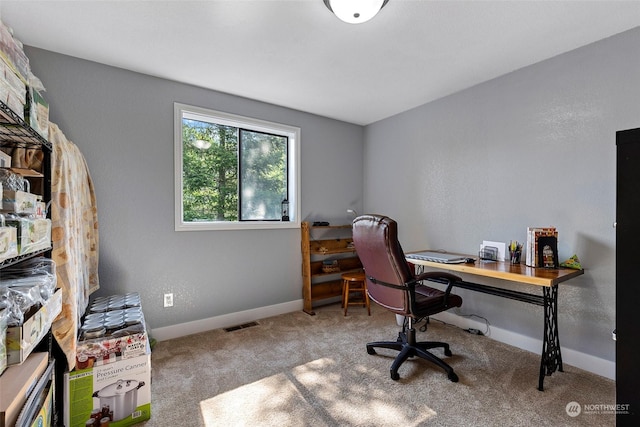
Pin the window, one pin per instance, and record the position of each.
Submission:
(233, 172)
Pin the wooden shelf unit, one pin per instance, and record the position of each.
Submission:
(320, 243)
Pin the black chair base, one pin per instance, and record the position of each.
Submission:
(408, 347)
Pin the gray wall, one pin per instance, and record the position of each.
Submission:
(535, 147)
(123, 123)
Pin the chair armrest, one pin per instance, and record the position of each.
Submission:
(438, 275)
(450, 278)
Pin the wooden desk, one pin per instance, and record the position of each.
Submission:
(547, 279)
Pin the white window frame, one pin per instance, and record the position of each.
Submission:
(227, 119)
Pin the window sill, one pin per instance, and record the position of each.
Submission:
(237, 225)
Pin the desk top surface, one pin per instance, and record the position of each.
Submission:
(507, 271)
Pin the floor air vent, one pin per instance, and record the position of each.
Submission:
(243, 326)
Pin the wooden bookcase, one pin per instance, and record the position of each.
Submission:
(318, 244)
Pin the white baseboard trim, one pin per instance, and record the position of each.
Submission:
(587, 362)
(224, 321)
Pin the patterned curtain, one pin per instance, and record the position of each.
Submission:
(74, 234)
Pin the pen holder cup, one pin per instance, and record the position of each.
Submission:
(515, 256)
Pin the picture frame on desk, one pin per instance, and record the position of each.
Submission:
(547, 252)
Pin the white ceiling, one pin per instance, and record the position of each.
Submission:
(296, 54)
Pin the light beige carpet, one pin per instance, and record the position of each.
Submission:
(301, 370)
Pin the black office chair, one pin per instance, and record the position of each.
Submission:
(392, 284)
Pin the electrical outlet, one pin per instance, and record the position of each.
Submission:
(168, 300)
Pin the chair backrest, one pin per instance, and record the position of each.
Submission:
(376, 241)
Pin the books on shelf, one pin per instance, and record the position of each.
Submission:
(542, 247)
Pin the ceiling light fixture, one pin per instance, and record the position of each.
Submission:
(355, 11)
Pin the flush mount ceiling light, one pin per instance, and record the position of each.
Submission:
(355, 11)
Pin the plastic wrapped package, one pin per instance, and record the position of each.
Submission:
(26, 286)
(8, 240)
(31, 267)
(44, 284)
(16, 101)
(17, 301)
(33, 233)
(11, 49)
(20, 201)
(11, 80)
(37, 112)
(11, 180)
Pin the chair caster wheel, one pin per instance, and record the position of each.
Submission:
(453, 377)
(371, 350)
(447, 352)
(395, 376)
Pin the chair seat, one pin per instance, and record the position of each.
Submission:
(428, 299)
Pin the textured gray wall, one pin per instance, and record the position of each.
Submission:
(535, 147)
(123, 123)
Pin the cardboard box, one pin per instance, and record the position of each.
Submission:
(100, 351)
(113, 329)
(44, 415)
(21, 340)
(12, 99)
(16, 383)
(26, 172)
(19, 202)
(120, 390)
(38, 409)
(33, 233)
(36, 113)
(8, 242)
(5, 160)
(3, 340)
(13, 81)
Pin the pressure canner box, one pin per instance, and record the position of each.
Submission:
(119, 391)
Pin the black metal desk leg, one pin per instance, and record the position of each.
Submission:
(551, 357)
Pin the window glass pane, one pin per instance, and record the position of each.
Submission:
(263, 160)
(210, 171)
(233, 172)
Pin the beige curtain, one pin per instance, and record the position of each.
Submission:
(74, 233)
